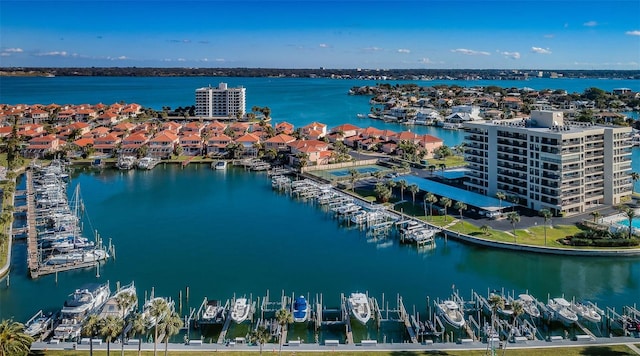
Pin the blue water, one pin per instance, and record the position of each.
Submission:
(220, 233)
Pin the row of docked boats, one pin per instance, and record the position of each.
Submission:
(59, 236)
(130, 162)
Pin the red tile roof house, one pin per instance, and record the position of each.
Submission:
(239, 128)
(285, 128)
(66, 115)
(99, 131)
(107, 119)
(38, 115)
(163, 144)
(430, 143)
(339, 133)
(279, 142)
(217, 143)
(314, 131)
(132, 110)
(132, 143)
(191, 145)
(249, 143)
(85, 115)
(107, 145)
(39, 147)
(172, 127)
(193, 128)
(317, 152)
(216, 126)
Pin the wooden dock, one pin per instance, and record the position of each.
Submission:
(33, 257)
(225, 326)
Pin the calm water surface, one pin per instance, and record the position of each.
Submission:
(221, 233)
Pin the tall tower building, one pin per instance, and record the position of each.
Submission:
(220, 102)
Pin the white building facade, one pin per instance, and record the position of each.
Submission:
(220, 102)
(547, 162)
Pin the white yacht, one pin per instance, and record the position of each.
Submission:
(111, 306)
(77, 257)
(529, 305)
(78, 306)
(38, 324)
(586, 312)
(220, 165)
(360, 308)
(214, 312)
(240, 310)
(451, 313)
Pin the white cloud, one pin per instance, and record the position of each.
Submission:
(540, 50)
(373, 49)
(122, 58)
(53, 54)
(404, 50)
(470, 52)
(323, 45)
(633, 33)
(590, 24)
(181, 60)
(512, 55)
(13, 50)
(220, 60)
(425, 60)
(4, 54)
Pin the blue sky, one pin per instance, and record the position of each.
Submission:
(482, 34)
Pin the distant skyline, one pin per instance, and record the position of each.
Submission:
(481, 34)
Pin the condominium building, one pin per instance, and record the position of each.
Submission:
(220, 102)
(548, 162)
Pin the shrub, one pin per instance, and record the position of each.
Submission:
(576, 241)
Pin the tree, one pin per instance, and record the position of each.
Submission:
(431, 199)
(634, 177)
(546, 215)
(159, 309)
(383, 193)
(170, 325)
(91, 328)
(513, 218)
(413, 188)
(515, 200)
(501, 196)
(517, 309)
(125, 301)
(391, 184)
(596, 215)
(495, 302)
(13, 340)
(110, 328)
(284, 318)
(446, 203)
(138, 326)
(354, 176)
(460, 207)
(260, 336)
(402, 184)
(630, 214)
(485, 229)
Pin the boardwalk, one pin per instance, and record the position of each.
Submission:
(33, 258)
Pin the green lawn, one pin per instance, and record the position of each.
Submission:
(451, 161)
(614, 350)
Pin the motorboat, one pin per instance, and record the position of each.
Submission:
(529, 305)
(586, 312)
(37, 324)
(451, 313)
(77, 257)
(360, 308)
(78, 306)
(562, 311)
(506, 309)
(240, 310)
(152, 320)
(147, 163)
(300, 310)
(214, 312)
(126, 162)
(220, 165)
(111, 306)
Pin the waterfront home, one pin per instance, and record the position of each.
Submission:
(77, 128)
(85, 115)
(250, 144)
(107, 118)
(317, 152)
(512, 103)
(132, 143)
(38, 147)
(38, 115)
(339, 133)
(217, 144)
(313, 131)
(238, 129)
(172, 127)
(163, 144)
(284, 128)
(131, 110)
(66, 115)
(216, 126)
(192, 128)
(371, 132)
(123, 128)
(279, 142)
(191, 145)
(98, 132)
(430, 144)
(107, 144)
(81, 143)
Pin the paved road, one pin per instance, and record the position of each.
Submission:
(354, 347)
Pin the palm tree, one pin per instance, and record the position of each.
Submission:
(354, 177)
(501, 196)
(110, 328)
(517, 309)
(13, 340)
(125, 301)
(446, 203)
(138, 326)
(495, 302)
(260, 336)
(485, 229)
(158, 310)
(513, 218)
(546, 215)
(391, 184)
(382, 192)
(630, 214)
(402, 184)
(170, 325)
(430, 198)
(515, 200)
(413, 188)
(284, 318)
(378, 175)
(596, 215)
(460, 207)
(635, 176)
(90, 328)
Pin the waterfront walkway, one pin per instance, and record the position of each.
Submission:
(442, 347)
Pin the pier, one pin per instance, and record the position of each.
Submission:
(33, 258)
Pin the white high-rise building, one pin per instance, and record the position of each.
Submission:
(548, 162)
(220, 102)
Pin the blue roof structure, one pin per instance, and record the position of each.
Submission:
(470, 198)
